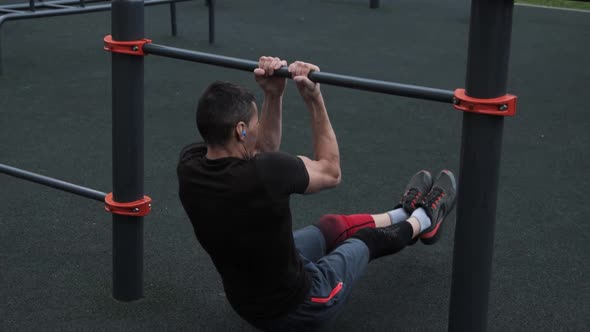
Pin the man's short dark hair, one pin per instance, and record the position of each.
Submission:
(220, 108)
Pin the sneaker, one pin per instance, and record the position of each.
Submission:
(416, 189)
(438, 203)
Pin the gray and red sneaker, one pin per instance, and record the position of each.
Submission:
(438, 203)
(415, 191)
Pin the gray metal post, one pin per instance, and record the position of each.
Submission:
(487, 69)
(1, 66)
(128, 94)
(173, 18)
(211, 21)
(373, 4)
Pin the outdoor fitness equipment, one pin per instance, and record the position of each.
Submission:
(484, 102)
(48, 8)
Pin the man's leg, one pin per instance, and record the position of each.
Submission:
(310, 242)
(335, 274)
(337, 228)
(317, 240)
(425, 221)
(333, 277)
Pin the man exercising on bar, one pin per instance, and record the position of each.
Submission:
(235, 188)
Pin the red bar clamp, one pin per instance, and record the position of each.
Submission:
(133, 47)
(137, 208)
(503, 105)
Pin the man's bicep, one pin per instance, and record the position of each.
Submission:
(320, 177)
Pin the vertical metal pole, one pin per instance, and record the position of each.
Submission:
(173, 17)
(82, 3)
(487, 69)
(32, 5)
(128, 94)
(1, 69)
(373, 4)
(211, 21)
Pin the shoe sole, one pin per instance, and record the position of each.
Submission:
(432, 239)
(433, 236)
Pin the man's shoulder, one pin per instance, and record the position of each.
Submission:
(191, 151)
(275, 157)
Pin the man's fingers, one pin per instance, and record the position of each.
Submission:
(262, 61)
(313, 67)
(266, 66)
(273, 64)
(259, 72)
(299, 79)
(301, 68)
(270, 64)
(306, 82)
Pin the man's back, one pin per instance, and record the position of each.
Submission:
(240, 213)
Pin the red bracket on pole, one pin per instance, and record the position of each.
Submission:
(133, 47)
(503, 105)
(137, 208)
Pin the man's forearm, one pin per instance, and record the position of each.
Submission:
(269, 137)
(325, 145)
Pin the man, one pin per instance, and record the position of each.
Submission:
(235, 188)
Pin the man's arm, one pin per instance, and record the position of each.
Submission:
(324, 170)
(270, 124)
(270, 127)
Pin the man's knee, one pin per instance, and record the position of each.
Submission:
(336, 228)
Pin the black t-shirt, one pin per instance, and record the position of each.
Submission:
(241, 216)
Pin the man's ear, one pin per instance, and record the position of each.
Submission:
(241, 130)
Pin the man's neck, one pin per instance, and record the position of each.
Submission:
(217, 152)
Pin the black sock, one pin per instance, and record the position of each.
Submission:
(386, 240)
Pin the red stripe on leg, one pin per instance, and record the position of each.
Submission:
(336, 228)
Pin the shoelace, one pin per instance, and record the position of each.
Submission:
(412, 196)
(434, 197)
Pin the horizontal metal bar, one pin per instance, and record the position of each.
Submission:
(5, 10)
(412, 91)
(161, 2)
(57, 6)
(54, 12)
(53, 183)
(42, 4)
(74, 10)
